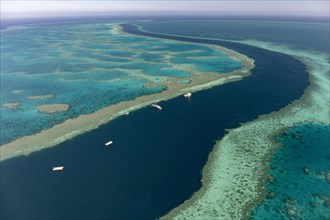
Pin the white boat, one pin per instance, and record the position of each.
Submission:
(126, 113)
(156, 106)
(187, 95)
(58, 168)
(108, 143)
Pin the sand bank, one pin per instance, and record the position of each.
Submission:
(17, 91)
(235, 174)
(49, 96)
(12, 105)
(52, 108)
(84, 123)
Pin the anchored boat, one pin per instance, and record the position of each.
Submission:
(156, 106)
(108, 143)
(187, 95)
(58, 168)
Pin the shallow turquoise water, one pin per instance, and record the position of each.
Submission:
(201, 53)
(185, 81)
(298, 190)
(87, 66)
(209, 64)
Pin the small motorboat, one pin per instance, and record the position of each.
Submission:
(58, 168)
(108, 143)
(156, 106)
(187, 95)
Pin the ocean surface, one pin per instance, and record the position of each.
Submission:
(87, 66)
(156, 160)
(299, 170)
(298, 35)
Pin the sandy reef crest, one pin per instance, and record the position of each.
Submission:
(11, 105)
(49, 96)
(17, 91)
(52, 108)
(236, 171)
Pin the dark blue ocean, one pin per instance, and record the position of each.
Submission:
(293, 192)
(299, 35)
(156, 160)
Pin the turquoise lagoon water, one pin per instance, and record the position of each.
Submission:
(299, 168)
(87, 66)
(209, 64)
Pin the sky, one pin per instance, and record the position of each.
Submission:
(51, 8)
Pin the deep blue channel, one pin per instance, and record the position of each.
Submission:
(156, 160)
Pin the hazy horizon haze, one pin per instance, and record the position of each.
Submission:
(12, 9)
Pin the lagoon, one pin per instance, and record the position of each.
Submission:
(87, 66)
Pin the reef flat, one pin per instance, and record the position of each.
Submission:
(13, 105)
(52, 108)
(200, 76)
(236, 172)
(49, 96)
(101, 67)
